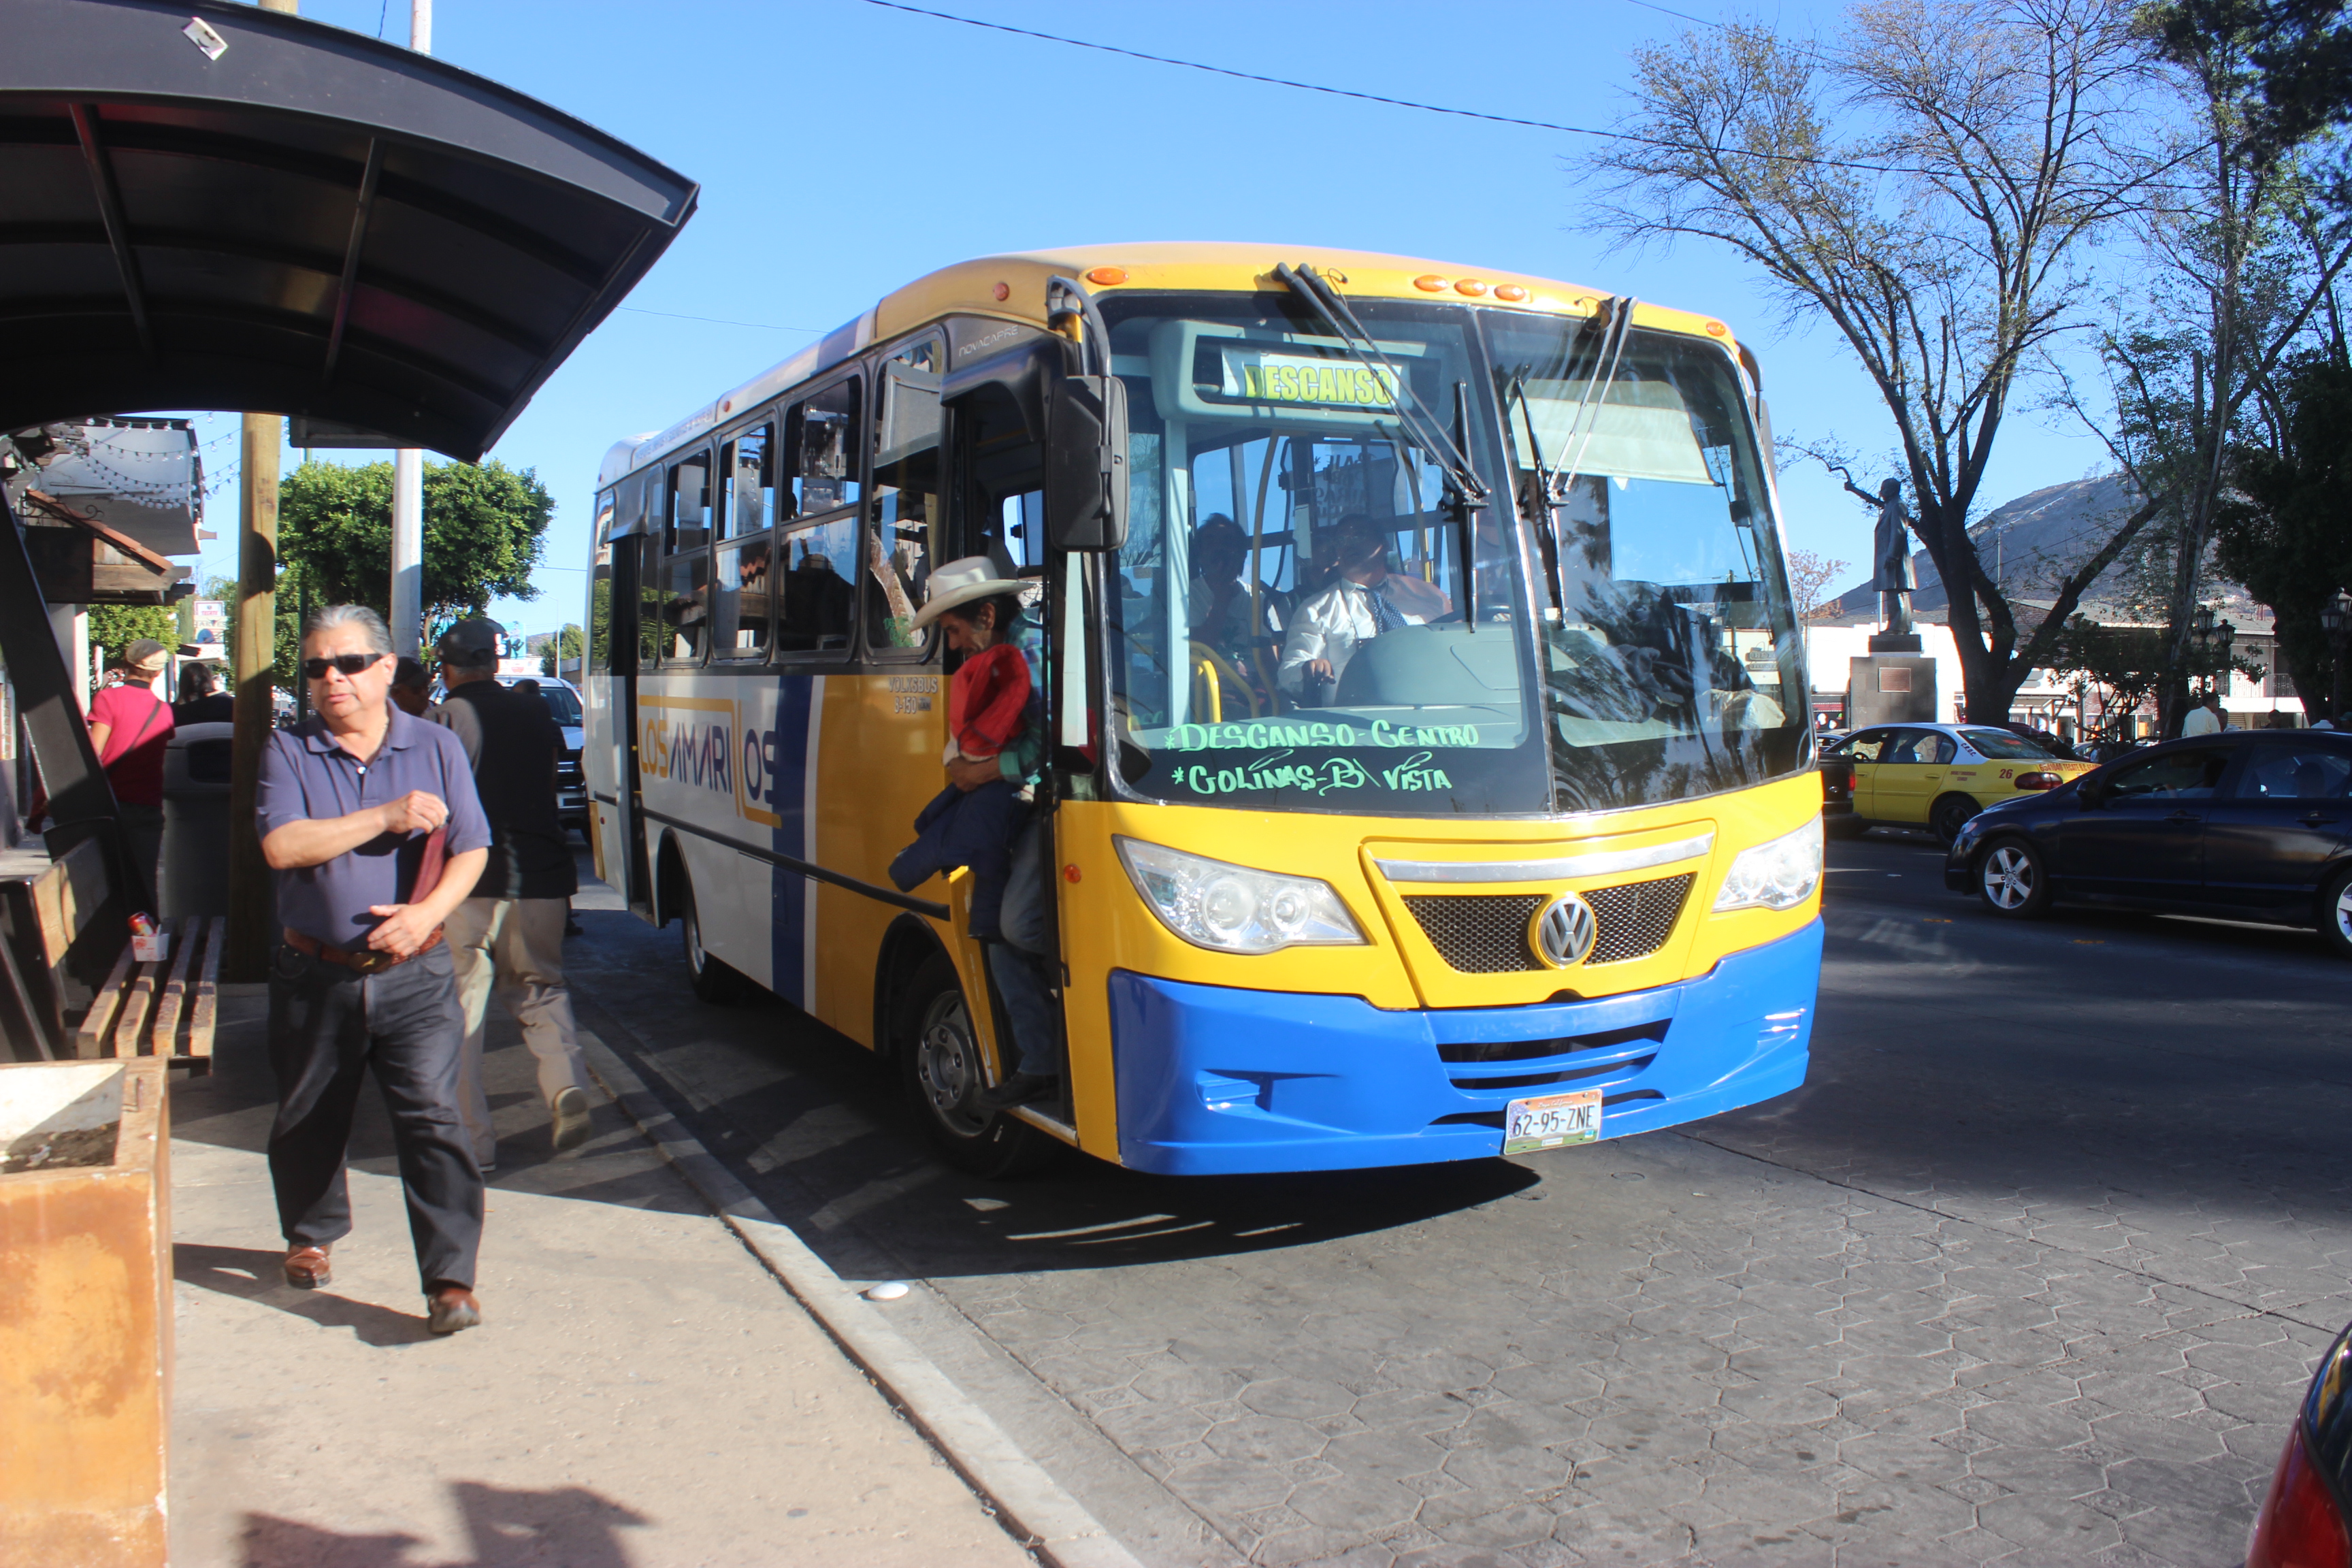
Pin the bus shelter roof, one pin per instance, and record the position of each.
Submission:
(211, 206)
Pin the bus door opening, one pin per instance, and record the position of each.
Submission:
(1002, 517)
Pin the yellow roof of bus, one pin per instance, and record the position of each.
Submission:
(971, 287)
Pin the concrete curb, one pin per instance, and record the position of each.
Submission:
(1031, 1505)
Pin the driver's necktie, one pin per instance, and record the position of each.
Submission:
(1384, 615)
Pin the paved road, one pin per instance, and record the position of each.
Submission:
(2030, 1271)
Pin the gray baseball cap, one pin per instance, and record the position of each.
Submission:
(472, 641)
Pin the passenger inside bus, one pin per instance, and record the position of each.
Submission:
(1221, 603)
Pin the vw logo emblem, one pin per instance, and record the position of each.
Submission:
(1563, 930)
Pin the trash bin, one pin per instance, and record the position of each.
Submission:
(195, 821)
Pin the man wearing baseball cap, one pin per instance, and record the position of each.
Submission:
(131, 729)
(508, 935)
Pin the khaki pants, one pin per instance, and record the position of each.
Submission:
(516, 946)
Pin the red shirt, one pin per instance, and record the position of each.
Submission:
(988, 698)
(142, 732)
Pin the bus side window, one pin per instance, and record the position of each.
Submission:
(743, 580)
(599, 652)
(906, 494)
(816, 553)
(686, 579)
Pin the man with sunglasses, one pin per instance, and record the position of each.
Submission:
(369, 818)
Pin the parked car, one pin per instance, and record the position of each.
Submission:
(2056, 745)
(2108, 750)
(562, 700)
(2250, 824)
(1931, 775)
(2301, 1522)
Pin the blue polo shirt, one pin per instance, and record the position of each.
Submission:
(305, 776)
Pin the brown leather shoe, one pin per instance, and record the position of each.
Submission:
(451, 1308)
(307, 1269)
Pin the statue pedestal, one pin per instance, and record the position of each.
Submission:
(1894, 642)
(1890, 688)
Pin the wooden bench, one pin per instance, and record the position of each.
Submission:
(63, 926)
(164, 1009)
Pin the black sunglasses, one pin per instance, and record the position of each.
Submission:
(349, 663)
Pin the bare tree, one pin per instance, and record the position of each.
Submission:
(1809, 576)
(1922, 184)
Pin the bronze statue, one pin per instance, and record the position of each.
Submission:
(1890, 556)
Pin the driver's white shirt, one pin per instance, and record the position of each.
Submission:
(2201, 721)
(1330, 624)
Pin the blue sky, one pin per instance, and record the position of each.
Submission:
(843, 150)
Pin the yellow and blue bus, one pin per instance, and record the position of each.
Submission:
(1429, 775)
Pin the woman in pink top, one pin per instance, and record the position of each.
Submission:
(131, 729)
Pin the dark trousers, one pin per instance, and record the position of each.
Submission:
(327, 1025)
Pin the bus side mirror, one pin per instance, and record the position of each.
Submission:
(1086, 464)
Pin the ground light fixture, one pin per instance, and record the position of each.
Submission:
(1778, 874)
(1236, 909)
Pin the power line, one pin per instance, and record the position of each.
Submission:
(1669, 10)
(1403, 102)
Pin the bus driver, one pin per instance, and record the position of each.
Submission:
(1362, 601)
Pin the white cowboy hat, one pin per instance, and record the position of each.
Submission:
(959, 583)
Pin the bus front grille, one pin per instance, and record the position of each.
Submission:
(1486, 933)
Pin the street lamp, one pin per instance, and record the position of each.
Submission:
(2335, 619)
(2213, 637)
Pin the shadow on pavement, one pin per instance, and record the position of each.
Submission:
(251, 1275)
(569, 1525)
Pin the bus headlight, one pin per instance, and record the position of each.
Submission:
(1232, 909)
(1778, 874)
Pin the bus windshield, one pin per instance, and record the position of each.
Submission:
(1303, 619)
(1673, 667)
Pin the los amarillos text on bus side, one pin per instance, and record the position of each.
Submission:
(1427, 774)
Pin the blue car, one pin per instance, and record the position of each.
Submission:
(2245, 825)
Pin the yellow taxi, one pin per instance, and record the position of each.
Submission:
(1935, 776)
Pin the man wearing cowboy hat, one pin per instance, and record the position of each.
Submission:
(131, 728)
(995, 751)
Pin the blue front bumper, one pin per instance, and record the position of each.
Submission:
(1218, 1081)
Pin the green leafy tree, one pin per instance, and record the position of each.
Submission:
(485, 528)
(2286, 534)
(567, 645)
(116, 627)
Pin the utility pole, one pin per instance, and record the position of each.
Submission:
(408, 465)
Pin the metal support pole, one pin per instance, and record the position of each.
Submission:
(253, 658)
(408, 467)
(407, 550)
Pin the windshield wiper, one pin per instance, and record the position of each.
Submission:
(1466, 491)
(1536, 503)
(1611, 353)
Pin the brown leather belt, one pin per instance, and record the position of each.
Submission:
(366, 960)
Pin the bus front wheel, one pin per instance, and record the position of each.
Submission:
(940, 1068)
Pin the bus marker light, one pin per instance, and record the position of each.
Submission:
(1511, 291)
(1002, 290)
(1430, 282)
(1717, 329)
(1108, 275)
(1071, 873)
(1470, 286)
